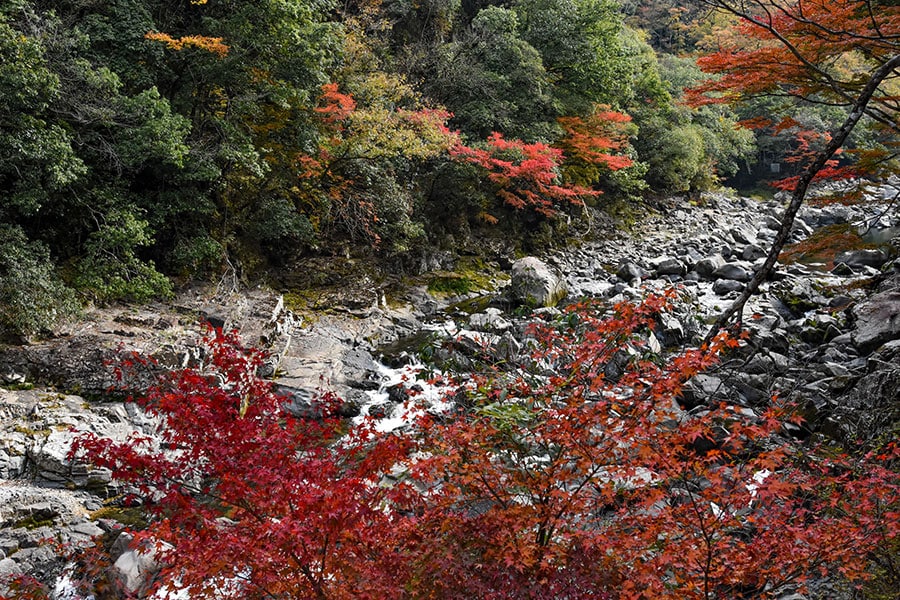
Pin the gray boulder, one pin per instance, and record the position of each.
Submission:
(877, 321)
(725, 286)
(867, 257)
(733, 271)
(752, 252)
(535, 283)
(705, 267)
(629, 271)
(668, 265)
(743, 235)
(490, 320)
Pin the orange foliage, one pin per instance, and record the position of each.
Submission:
(594, 139)
(526, 175)
(825, 50)
(337, 106)
(213, 45)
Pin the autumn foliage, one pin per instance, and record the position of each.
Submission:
(525, 175)
(577, 475)
(839, 53)
(213, 45)
(595, 143)
(355, 138)
(263, 503)
(794, 47)
(533, 176)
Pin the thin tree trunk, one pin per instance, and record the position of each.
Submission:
(787, 220)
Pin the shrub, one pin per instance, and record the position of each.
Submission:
(32, 296)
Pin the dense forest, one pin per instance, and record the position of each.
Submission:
(147, 142)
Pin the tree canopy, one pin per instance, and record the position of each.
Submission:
(146, 141)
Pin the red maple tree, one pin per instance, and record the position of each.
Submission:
(534, 176)
(525, 175)
(246, 499)
(567, 478)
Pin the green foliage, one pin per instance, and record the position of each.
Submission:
(36, 155)
(195, 256)
(493, 80)
(110, 268)
(675, 155)
(157, 133)
(727, 146)
(32, 296)
(580, 48)
(683, 149)
(198, 135)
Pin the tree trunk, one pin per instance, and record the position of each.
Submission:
(787, 220)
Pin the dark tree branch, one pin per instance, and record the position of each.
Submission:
(837, 141)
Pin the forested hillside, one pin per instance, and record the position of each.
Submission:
(147, 140)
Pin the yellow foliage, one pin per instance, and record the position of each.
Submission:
(213, 45)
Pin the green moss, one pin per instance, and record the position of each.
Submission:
(32, 522)
(31, 432)
(297, 300)
(625, 213)
(451, 283)
(18, 387)
(132, 517)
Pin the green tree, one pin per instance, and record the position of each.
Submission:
(580, 47)
(684, 149)
(36, 154)
(32, 296)
(493, 80)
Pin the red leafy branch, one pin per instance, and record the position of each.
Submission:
(578, 476)
(525, 175)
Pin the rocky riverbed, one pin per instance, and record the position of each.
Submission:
(825, 335)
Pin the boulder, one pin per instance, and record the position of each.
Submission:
(397, 393)
(629, 271)
(490, 320)
(726, 286)
(668, 265)
(877, 321)
(867, 257)
(705, 267)
(535, 283)
(752, 252)
(733, 271)
(743, 235)
(136, 568)
(306, 403)
(799, 295)
(869, 411)
(382, 410)
(842, 269)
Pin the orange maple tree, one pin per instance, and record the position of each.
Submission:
(563, 479)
